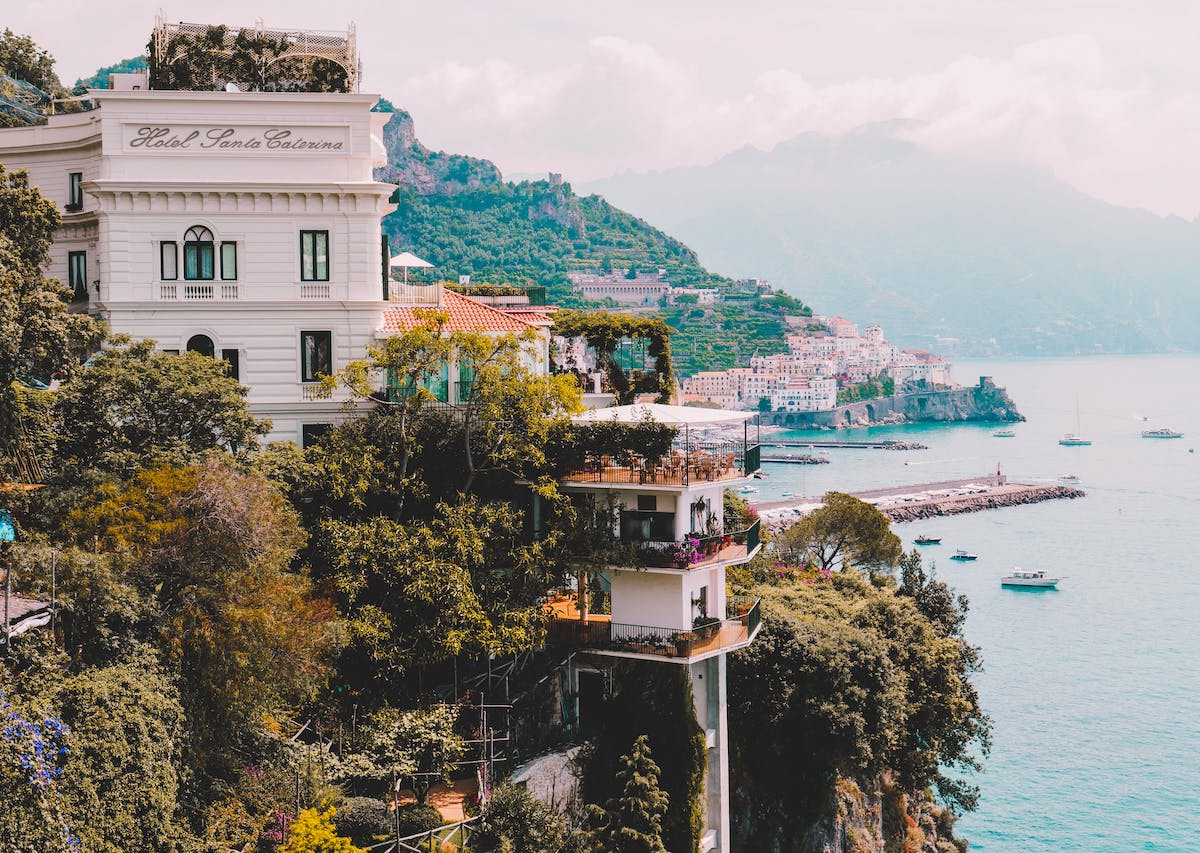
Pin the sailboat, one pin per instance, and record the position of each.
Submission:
(1074, 439)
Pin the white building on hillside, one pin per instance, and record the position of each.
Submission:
(242, 225)
(674, 608)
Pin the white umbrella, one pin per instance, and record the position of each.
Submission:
(406, 260)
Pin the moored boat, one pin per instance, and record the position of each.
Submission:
(960, 554)
(1161, 433)
(1068, 478)
(1026, 577)
(928, 540)
(1005, 433)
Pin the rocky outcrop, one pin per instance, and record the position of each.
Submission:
(983, 402)
(875, 818)
(427, 172)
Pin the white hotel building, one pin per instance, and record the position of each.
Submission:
(243, 225)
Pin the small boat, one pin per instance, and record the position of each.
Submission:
(1068, 478)
(1025, 577)
(928, 540)
(1161, 433)
(747, 490)
(1005, 433)
(787, 494)
(960, 554)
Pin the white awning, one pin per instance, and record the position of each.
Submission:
(408, 260)
(663, 414)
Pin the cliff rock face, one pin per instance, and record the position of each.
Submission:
(985, 402)
(427, 172)
(878, 819)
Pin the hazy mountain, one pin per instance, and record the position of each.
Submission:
(957, 255)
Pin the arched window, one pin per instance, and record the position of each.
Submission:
(202, 344)
(198, 254)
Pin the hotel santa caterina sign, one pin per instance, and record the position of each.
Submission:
(269, 140)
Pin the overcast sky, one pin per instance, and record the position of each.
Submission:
(1105, 93)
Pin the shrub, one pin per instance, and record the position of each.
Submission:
(528, 826)
(365, 820)
(416, 818)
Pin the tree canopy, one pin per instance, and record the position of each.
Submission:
(844, 532)
(39, 339)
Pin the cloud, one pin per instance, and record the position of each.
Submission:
(621, 104)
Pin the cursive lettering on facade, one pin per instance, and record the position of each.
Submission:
(158, 138)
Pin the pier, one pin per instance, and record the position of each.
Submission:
(930, 500)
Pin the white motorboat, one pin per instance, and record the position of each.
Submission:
(960, 554)
(1005, 433)
(1161, 433)
(1026, 577)
(1068, 478)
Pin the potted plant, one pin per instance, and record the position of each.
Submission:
(683, 643)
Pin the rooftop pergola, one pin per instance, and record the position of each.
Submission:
(698, 455)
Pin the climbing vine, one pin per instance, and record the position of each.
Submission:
(209, 60)
(604, 332)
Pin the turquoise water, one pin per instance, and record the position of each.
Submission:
(1094, 688)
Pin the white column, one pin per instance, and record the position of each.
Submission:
(709, 698)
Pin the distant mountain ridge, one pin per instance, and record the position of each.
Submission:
(951, 254)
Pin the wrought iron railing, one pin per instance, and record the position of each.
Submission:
(697, 462)
(697, 551)
(737, 629)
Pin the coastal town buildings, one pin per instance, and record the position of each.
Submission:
(640, 288)
(825, 354)
(672, 607)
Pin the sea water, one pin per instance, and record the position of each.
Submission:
(1093, 688)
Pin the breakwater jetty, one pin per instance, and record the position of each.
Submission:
(929, 500)
(804, 459)
(883, 444)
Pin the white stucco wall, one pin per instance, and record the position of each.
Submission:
(257, 193)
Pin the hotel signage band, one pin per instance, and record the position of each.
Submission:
(210, 139)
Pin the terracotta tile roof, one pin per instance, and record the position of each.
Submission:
(466, 315)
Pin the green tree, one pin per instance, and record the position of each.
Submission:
(135, 406)
(844, 532)
(210, 546)
(512, 815)
(38, 337)
(20, 57)
(421, 746)
(313, 832)
(121, 779)
(632, 821)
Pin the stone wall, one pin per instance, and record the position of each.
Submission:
(983, 402)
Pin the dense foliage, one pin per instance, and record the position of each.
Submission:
(528, 232)
(38, 337)
(654, 702)
(99, 80)
(849, 679)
